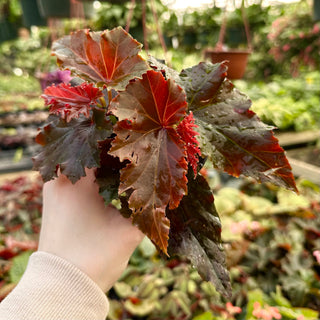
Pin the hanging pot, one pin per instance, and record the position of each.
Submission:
(31, 14)
(235, 36)
(54, 8)
(237, 60)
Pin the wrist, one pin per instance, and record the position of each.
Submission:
(52, 288)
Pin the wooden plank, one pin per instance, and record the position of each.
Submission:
(295, 138)
(305, 170)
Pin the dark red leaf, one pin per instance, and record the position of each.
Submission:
(108, 174)
(109, 57)
(7, 253)
(149, 111)
(72, 146)
(231, 135)
(69, 102)
(195, 233)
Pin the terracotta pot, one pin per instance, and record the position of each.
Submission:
(237, 60)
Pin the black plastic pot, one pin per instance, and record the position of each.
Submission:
(54, 8)
(8, 31)
(316, 10)
(31, 14)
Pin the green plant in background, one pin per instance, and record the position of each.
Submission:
(198, 29)
(289, 104)
(27, 56)
(295, 39)
(111, 15)
(11, 10)
(271, 237)
(10, 20)
(291, 19)
(257, 17)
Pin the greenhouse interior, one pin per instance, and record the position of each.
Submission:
(198, 121)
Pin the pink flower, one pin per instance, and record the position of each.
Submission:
(266, 313)
(315, 29)
(274, 312)
(301, 317)
(239, 227)
(242, 226)
(308, 49)
(316, 254)
(286, 47)
(255, 225)
(232, 309)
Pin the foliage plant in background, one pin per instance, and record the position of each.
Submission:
(296, 40)
(288, 104)
(148, 129)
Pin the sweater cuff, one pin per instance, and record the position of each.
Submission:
(54, 289)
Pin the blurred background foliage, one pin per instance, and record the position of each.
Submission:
(285, 37)
(271, 237)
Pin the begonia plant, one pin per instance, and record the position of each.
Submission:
(148, 130)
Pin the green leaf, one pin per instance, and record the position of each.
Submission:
(168, 72)
(71, 146)
(294, 313)
(19, 265)
(140, 309)
(195, 233)
(204, 316)
(123, 290)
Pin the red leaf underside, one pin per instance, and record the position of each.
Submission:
(69, 102)
(149, 111)
(195, 233)
(188, 135)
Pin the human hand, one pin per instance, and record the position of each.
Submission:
(78, 227)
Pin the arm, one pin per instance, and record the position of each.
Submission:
(83, 249)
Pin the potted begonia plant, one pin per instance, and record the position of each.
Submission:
(147, 130)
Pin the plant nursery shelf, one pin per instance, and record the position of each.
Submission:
(8, 164)
(292, 139)
(305, 170)
(303, 155)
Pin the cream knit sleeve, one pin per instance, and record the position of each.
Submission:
(53, 289)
